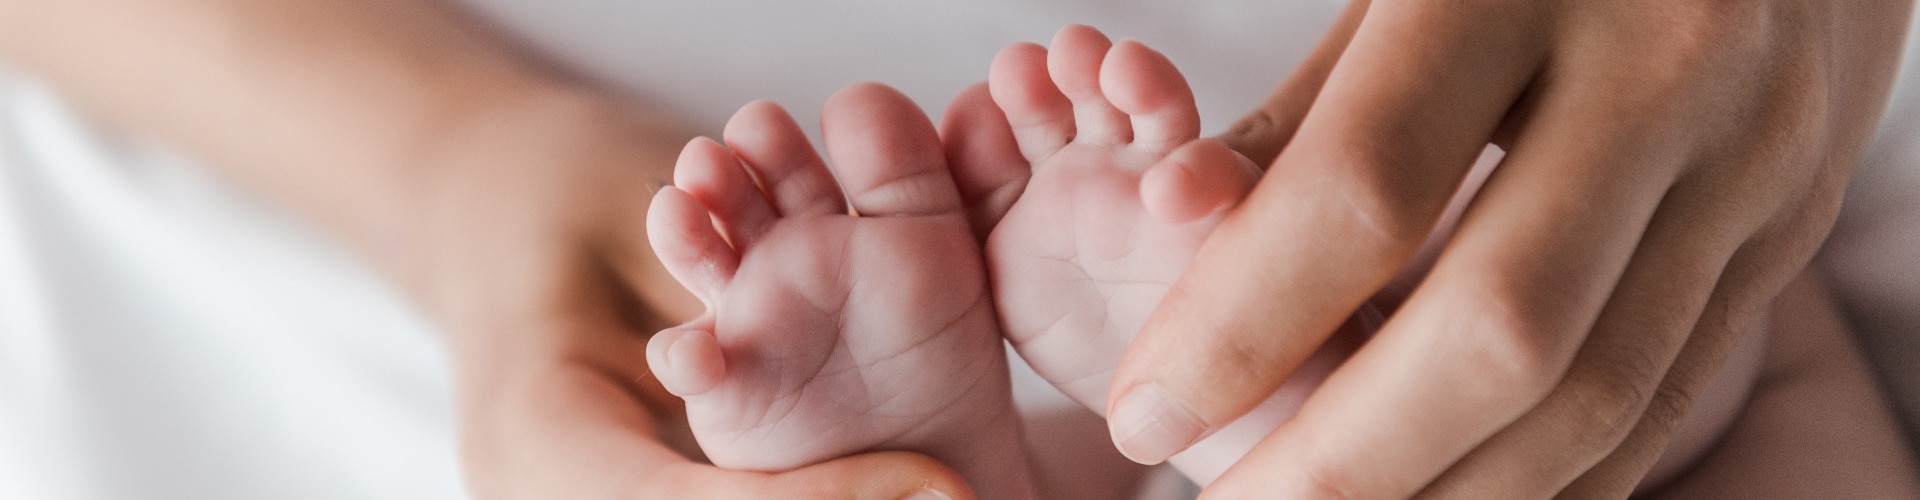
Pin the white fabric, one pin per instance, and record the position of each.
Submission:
(162, 336)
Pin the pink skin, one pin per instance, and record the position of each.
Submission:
(830, 333)
(1121, 196)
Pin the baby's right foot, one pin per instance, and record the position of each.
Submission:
(1121, 196)
(828, 332)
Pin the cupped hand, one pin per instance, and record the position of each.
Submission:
(534, 257)
(585, 428)
(1669, 166)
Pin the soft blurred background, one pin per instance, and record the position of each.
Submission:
(162, 334)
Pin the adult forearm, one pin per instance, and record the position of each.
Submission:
(363, 116)
(329, 107)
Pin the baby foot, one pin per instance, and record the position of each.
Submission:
(1121, 196)
(830, 333)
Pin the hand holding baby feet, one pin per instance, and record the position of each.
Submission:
(1121, 195)
(828, 332)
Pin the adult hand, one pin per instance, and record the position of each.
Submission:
(1670, 166)
(534, 255)
(507, 201)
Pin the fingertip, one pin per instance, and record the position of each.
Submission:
(1149, 425)
(687, 361)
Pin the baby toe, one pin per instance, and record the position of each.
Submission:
(886, 154)
(1074, 63)
(1145, 85)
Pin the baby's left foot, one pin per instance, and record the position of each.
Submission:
(831, 333)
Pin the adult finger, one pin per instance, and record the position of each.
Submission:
(887, 475)
(592, 427)
(1656, 310)
(1770, 258)
(1262, 133)
(1376, 160)
(1491, 331)
(1616, 373)
(1756, 273)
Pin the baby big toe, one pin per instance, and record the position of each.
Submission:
(886, 153)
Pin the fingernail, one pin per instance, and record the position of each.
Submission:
(928, 494)
(1149, 425)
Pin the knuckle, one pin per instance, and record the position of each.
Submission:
(1260, 124)
(1668, 408)
(1667, 50)
(1701, 31)
(1608, 405)
(1518, 351)
(1514, 363)
(1327, 482)
(1384, 198)
(1258, 136)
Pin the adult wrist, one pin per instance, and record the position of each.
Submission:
(509, 183)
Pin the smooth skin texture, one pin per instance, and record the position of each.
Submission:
(407, 163)
(1816, 427)
(828, 332)
(1096, 238)
(507, 201)
(1670, 166)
